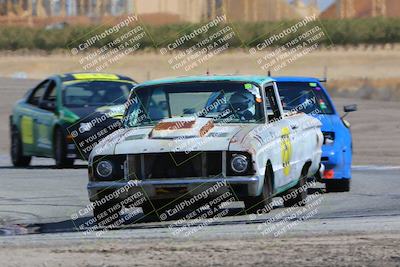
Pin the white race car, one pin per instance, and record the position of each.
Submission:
(183, 136)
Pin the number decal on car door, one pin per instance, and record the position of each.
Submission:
(286, 150)
(27, 130)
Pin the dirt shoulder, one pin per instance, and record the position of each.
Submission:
(328, 250)
(375, 128)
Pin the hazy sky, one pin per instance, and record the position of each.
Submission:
(322, 3)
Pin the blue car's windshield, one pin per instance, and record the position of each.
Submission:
(305, 97)
(228, 102)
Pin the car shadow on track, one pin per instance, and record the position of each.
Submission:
(86, 227)
(86, 224)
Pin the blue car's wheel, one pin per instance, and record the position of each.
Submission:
(337, 185)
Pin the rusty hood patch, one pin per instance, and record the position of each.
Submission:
(138, 140)
(185, 127)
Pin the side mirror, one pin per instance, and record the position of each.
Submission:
(48, 105)
(350, 108)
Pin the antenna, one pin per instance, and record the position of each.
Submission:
(208, 72)
(269, 73)
(325, 79)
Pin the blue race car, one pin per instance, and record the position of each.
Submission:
(304, 94)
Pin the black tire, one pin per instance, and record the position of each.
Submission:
(261, 203)
(16, 150)
(60, 151)
(297, 195)
(149, 207)
(107, 214)
(337, 185)
(294, 196)
(156, 208)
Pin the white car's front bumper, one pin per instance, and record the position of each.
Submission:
(242, 185)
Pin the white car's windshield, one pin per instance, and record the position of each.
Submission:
(223, 101)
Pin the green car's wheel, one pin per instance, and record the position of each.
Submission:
(60, 151)
(16, 151)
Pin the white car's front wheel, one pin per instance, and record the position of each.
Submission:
(262, 203)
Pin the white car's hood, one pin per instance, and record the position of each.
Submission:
(201, 135)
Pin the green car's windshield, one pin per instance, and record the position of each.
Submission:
(228, 102)
(95, 93)
(307, 97)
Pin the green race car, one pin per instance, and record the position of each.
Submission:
(66, 115)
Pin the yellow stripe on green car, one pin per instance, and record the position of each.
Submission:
(27, 130)
(93, 76)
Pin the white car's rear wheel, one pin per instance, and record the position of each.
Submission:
(297, 195)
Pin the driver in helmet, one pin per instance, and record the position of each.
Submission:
(243, 104)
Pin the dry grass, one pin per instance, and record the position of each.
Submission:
(341, 63)
(358, 72)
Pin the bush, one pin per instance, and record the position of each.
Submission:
(341, 32)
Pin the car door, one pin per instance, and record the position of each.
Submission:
(295, 123)
(27, 117)
(282, 135)
(44, 120)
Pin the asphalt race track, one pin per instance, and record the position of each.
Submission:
(41, 199)
(357, 228)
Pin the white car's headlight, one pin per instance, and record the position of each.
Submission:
(104, 168)
(239, 163)
(85, 127)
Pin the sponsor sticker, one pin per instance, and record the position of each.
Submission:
(88, 76)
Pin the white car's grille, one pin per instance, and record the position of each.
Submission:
(173, 165)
